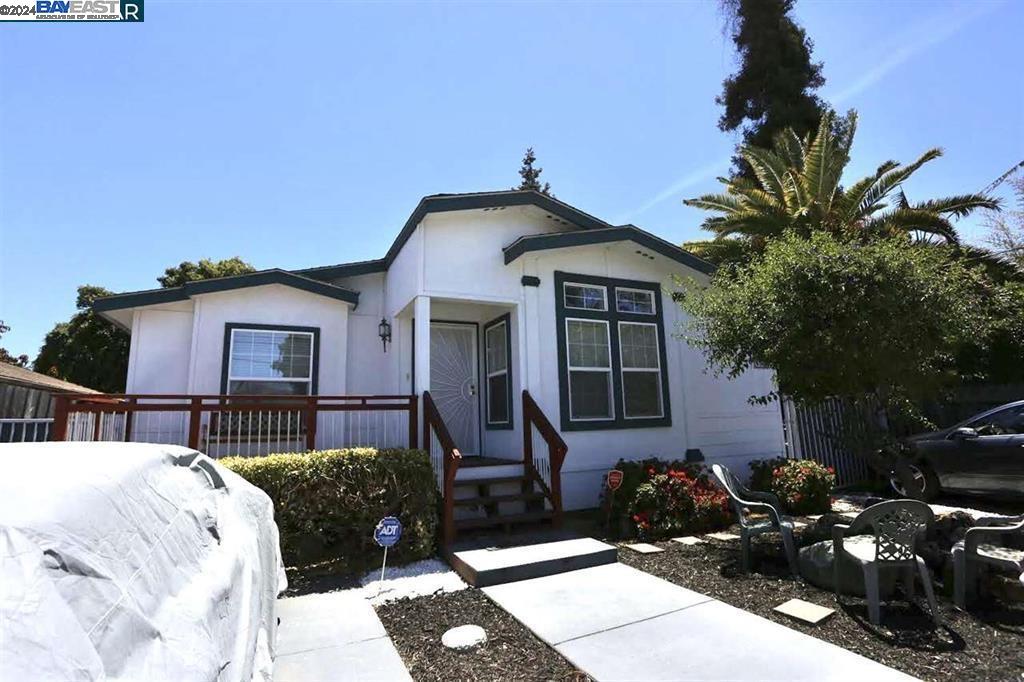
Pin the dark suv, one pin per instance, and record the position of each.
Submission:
(983, 455)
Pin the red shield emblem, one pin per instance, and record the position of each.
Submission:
(614, 479)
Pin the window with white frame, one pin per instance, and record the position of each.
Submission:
(641, 370)
(588, 350)
(499, 379)
(270, 362)
(611, 344)
(585, 297)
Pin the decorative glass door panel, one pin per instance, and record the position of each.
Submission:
(454, 384)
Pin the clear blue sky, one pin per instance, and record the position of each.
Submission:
(296, 134)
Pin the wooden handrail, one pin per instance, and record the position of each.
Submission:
(534, 417)
(196, 405)
(432, 420)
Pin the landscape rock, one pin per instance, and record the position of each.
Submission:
(464, 637)
(816, 567)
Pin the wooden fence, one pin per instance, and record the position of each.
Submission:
(823, 431)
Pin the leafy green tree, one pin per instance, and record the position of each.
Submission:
(838, 319)
(798, 188)
(91, 351)
(87, 349)
(833, 318)
(6, 356)
(188, 271)
(774, 86)
(531, 176)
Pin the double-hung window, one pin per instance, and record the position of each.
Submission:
(498, 366)
(263, 360)
(611, 346)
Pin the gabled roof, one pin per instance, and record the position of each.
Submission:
(441, 203)
(208, 286)
(631, 233)
(12, 374)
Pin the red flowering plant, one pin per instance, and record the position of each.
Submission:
(803, 486)
(671, 498)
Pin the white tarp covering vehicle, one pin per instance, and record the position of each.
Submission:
(129, 561)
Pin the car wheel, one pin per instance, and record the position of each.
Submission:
(924, 476)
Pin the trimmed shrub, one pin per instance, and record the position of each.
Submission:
(802, 485)
(659, 499)
(327, 503)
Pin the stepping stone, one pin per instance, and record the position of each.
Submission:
(814, 517)
(850, 514)
(799, 524)
(464, 637)
(688, 540)
(804, 611)
(723, 536)
(645, 548)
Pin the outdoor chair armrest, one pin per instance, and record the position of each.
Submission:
(773, 513)
(979, 534)
(764, 497)
(838, 533)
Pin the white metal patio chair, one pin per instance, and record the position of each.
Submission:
(745, 501)
(896, 526)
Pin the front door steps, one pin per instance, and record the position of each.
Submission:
(525, 557)
(495, 493)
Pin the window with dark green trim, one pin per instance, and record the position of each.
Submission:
(498, 370)
(611, 353)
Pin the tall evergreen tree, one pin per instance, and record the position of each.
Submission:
(531, 176)
(774, 86)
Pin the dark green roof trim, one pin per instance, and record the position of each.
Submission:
(561, 240)
(326, 272)
(209, 286)
(439, 203)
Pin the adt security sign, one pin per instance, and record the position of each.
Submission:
(388, 532)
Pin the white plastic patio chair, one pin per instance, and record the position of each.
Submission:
(896, 526)
(745, 501)
(980, 547)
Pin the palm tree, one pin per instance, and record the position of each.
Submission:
(799, 188)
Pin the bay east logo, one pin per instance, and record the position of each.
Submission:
(73, 10)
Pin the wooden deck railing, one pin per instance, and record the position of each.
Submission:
(546, 468)
(221, 425)
(445, 457)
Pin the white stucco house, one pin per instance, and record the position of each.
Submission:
(487, 295)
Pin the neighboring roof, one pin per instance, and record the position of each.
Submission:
(561, 240)
(11, 374)
(440, 203)
(208, 286)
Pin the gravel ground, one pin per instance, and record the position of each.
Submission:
(985, 644)
(511, 652)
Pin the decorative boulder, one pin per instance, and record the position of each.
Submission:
(816, 567)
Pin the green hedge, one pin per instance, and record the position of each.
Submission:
(802, 486)
(327, 503)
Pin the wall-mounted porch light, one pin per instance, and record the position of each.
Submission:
(384, 332)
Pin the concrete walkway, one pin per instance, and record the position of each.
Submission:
(617, 623)
(334, 636)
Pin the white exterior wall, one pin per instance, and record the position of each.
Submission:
(161, 346)
(456, 259)
(708, 412)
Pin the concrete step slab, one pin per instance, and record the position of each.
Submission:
(488, 566)
(314, 620)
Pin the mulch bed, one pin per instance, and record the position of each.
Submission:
(985, 644)
(511, 652)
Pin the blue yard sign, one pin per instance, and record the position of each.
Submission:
(388, 531)
(387, 534)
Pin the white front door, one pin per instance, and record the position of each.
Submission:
(453, 382)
